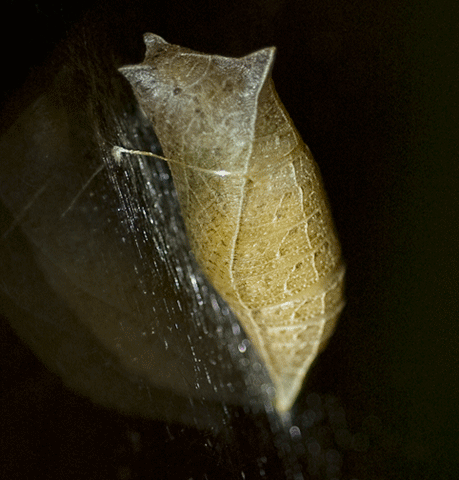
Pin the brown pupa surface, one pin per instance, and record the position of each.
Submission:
(251, 195)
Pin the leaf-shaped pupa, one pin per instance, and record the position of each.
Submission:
(252, 199)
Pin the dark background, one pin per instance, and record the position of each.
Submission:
(371, 89)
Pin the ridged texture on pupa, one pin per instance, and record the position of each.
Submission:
(252, 199)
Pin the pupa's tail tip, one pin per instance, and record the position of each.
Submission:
(287, 391)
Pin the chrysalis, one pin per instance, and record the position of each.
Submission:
(252, 199)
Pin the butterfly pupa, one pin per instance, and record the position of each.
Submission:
(252, 199)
